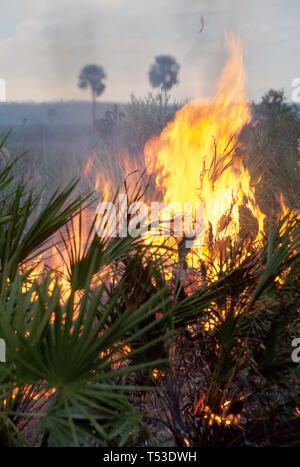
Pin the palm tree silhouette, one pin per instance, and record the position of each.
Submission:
(92, 76)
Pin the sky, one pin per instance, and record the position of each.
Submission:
(45, 43)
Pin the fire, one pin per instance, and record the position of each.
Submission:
(158, 374)
(27, 391)
(197, 157)
(223, 419)
(187, 443)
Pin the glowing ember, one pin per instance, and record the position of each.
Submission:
(224, 417)
(158, 374)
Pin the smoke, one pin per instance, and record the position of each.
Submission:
(52, 41)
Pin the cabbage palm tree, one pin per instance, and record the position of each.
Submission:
(163, 72)
(92, 76)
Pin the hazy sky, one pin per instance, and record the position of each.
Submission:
(45, 43)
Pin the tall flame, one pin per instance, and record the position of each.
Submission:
(195, 157)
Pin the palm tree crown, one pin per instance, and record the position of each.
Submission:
(164, 72)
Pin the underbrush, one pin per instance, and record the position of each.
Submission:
(131, 355)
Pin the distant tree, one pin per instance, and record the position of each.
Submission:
(280, 121)
(163, 72)
(92, 76)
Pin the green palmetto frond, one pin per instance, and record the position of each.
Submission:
(81, 358)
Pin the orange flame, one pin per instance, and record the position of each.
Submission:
(88, 165)
(194, 157)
